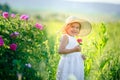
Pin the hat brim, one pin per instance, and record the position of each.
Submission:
(86, 27)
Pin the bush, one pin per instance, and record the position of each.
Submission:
(22, 47)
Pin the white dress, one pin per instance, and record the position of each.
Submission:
(71, 66)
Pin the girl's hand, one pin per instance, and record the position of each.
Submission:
(83, 56)
(77, 48)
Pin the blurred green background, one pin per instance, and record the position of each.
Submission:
(101, 47)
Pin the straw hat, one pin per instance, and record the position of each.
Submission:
(85, 25)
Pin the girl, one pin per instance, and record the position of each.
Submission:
(71, 64)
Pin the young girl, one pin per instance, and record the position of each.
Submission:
(71, 64)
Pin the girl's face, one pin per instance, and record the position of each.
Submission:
(73, 29)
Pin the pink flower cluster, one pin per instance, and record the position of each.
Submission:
(1, 41)
(24, 17)
(39, 26)
(79, 41)
(14, 34)
(13, 46)
(13, 15)
(5, 14)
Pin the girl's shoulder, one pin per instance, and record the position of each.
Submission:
(64, 37)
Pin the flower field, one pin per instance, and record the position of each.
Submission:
(28, 49)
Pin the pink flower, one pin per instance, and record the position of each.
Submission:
(79, 41)
(13, 46)
(39, 26)
(13, 15)
(14, 34)
(5, 14)
(1, 41)
(24, 17)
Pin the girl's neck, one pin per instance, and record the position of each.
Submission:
(70, 35)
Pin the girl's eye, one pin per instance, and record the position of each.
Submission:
(77, 27)
(72, 26)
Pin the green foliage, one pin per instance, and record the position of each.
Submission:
(30, 49)
(102, 53)
(101, 48)
(39, 48)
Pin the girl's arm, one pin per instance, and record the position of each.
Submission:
(63, 44)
